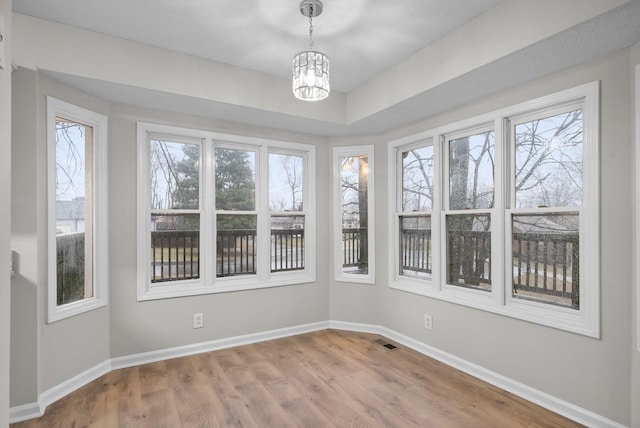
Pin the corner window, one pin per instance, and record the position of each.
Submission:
(222, 212)
(354, 217)
(77, 238)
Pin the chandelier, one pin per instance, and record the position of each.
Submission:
(310, 68)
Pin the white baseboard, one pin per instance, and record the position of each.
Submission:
(564, 408)
(213, 345)
(35, 410)
(569, 410)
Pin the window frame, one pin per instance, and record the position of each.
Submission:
(586, 319)
(208, 283)
(426, 286)
(57, 108)
(339, 274)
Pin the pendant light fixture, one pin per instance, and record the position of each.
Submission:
(310, 68)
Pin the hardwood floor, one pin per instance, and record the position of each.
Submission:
(328, 378)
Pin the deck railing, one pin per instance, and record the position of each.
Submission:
(547, 264)
(354, 247)
(415, 251)
(175, 255)
(544, 264)
(70, 267)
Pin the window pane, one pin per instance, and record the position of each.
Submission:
(416, 251)
(354, 190)
(546, 258)
(285, 182)
(175, 175)
(469, 251)
(549, 161)
(417, 179)
(235, 180)
(471, 165)
(236, 245)
(74, 214)
(175, 247)
(287, 243)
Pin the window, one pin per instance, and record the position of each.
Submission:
(354, 217)
(415, 208)
(77, 194)
(470, 203)
(222, 212)
(517, 211)
(546, 188)
(236, 211)
(286, 184)
(174, 198)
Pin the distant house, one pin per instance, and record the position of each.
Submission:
(70, 216)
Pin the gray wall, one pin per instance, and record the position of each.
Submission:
(635, 315)
(5, 214)
(147, 326)
(594, 374)
(590, 373)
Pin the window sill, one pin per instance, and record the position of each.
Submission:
(222, 285)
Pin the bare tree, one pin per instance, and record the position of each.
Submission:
(292, 167)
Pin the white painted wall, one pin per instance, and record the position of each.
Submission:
(5, 214)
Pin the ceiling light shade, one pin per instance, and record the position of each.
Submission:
(311, 76)
(310, 68)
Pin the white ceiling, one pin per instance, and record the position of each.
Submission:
(362, 38)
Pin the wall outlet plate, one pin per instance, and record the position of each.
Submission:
(198, 320)
(428, 322)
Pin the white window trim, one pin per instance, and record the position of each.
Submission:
(339, 274)
(208, 283)
(58, 108)
(586, 320)
(425, 287)
(463, 129)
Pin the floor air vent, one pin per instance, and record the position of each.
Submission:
(386, 344)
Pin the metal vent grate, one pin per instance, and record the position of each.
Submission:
(386, 344)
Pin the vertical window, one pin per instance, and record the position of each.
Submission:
(77, 193)
(236, 213)
(286, 204)
(174, 192)
(547, 188)
(471, 198)
(354, 225)
(415, 206)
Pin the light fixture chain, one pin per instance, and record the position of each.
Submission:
(311, 28)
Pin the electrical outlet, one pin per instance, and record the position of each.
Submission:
(198, 320)
(428, 322)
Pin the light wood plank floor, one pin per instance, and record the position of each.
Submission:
(328, 378)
